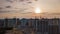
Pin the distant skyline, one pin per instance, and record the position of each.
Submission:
(25, 8)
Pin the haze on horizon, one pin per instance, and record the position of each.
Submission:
(25, 9)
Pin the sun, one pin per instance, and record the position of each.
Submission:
(37, 10)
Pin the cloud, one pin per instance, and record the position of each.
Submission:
(4, 11)
(8, 6)
(1, 8)
(10, 1)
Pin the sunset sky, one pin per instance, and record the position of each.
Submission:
(26, 8)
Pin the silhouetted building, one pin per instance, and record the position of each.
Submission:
(39, 26)
(53, 26)
(1, 23)
(53, 29)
